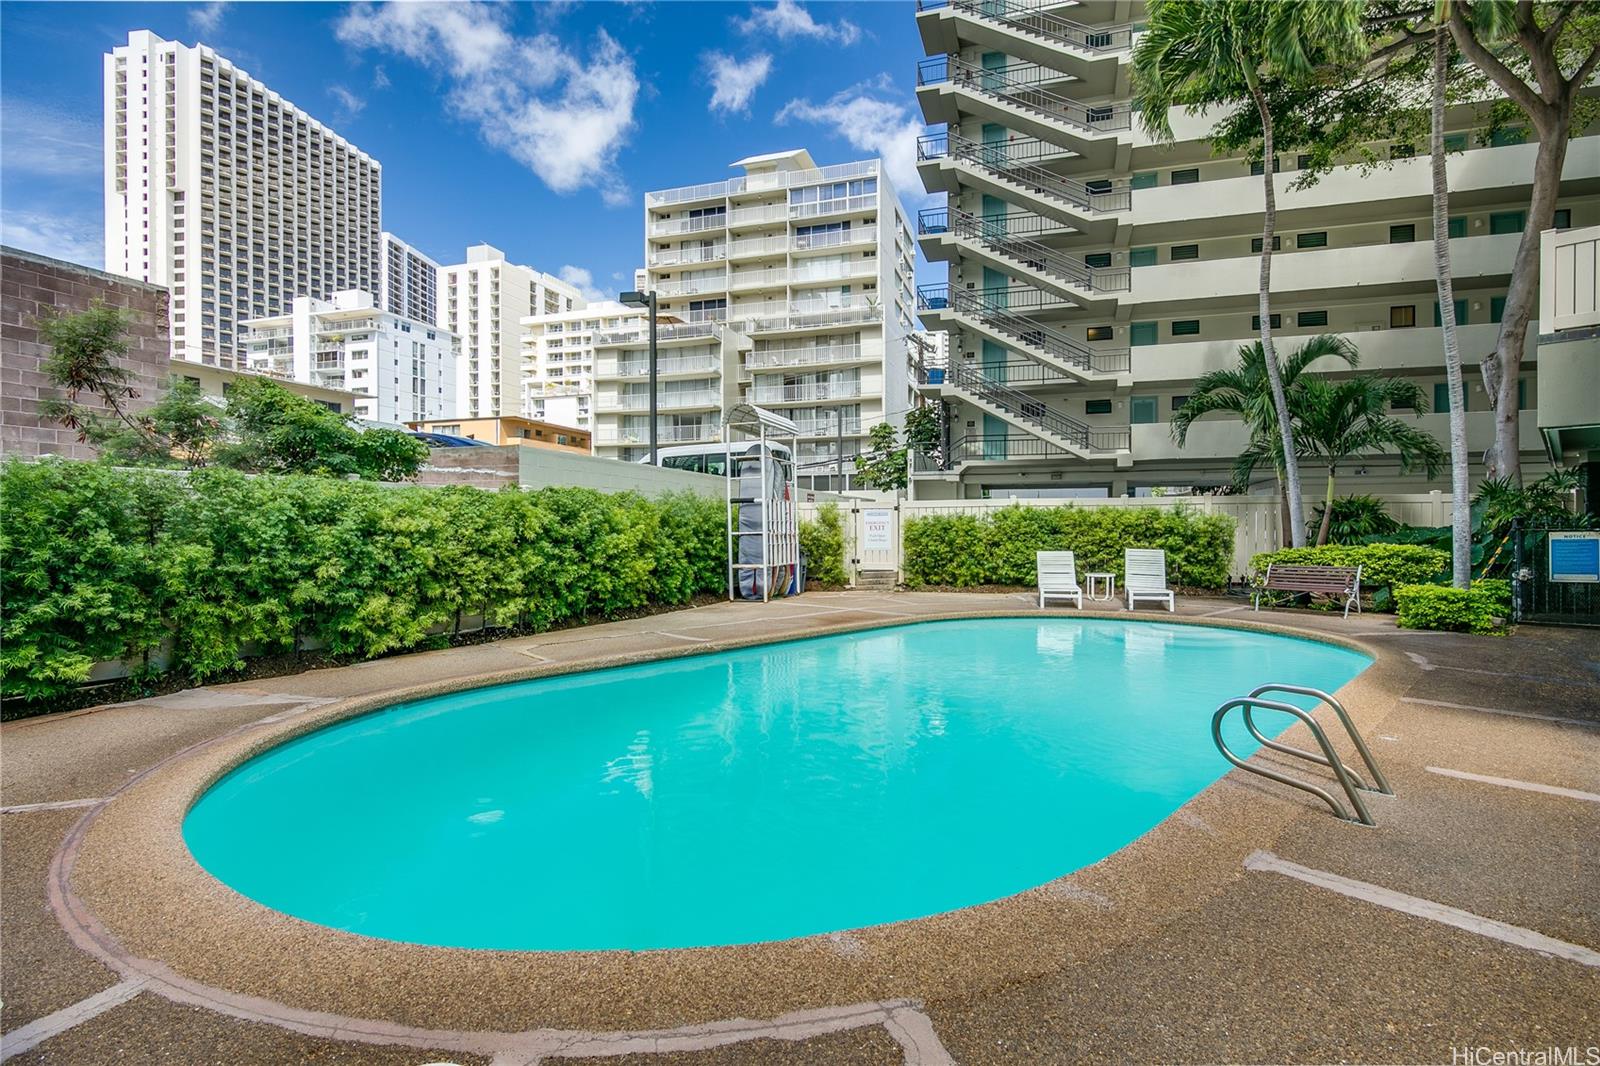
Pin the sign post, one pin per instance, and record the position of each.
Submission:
(1575, 557)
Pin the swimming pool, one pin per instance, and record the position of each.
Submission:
(759, 794)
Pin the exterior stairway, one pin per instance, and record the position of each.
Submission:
(1053, 348)
(1046, 27)
(1016, 93)
(1063, 272)
(1032, 415)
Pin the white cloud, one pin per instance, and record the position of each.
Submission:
(350, 105)
(207, 17)
(733, 83)
(380, 78)
(583, 281)
(873, 124)
(41, 139)
(563, 117)
(787, 19)
(76, 240)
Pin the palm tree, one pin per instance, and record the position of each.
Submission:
(1460, 489)
(1340, 420)
(1250, 390)
(1201, 53)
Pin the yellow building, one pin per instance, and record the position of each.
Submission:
(509, 429)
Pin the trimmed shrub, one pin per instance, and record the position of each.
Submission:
(1383, 566)
(209, 568)
(999, 548)
(1483, 608)
(822, 543)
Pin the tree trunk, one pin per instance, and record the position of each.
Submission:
(1285, 539)
(1327, 511)
(1280, 401)
(1460, 487)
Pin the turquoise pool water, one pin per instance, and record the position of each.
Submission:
(753, 795)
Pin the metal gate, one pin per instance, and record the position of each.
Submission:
(1555, 574)
(875, 541)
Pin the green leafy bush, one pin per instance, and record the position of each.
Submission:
(1483, 608)
(822, 543)
(1383, 566)
(999, 548)
(210, 568)
(1354, 517)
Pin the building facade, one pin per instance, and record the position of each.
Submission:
(814, 266)
(1094, 273)
(399, 369)
(484, 301)
(558, 358)
(408, 281)
(509, 429)
(228, 195)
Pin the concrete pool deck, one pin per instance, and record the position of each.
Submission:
(1250, 926)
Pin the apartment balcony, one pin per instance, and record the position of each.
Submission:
(817, 392)
(693, 286)
(848, 311)
(705, 433)
(1023, 28)
(1033, 416)
(817, 242)
(1019, 172)
(637, 369)
(698, 399)
(766, 215)
(843, 205)
(801, 356)
(688, 194)
(829, 427)
(666, 333)
(758, 279)
(952, 235)
(670, 257)
(948, 88)
(674, 226)
(1009, 317)
(1221, 440)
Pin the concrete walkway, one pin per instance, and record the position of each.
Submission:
(1251, 926)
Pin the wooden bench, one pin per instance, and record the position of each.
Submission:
(1340, 582)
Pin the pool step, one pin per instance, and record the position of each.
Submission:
(877, 580)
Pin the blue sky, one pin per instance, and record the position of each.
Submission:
(535, 127)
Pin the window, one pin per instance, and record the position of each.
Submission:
(1101, 333)
(1402, 151)
(1455, 142)
(1403, 234)
(1186, 327)
(1461, 313)
(1441, 396)
(1507, 222)
(1097, 259)
(1522, 394)
(1311, 318)
(1458, 228)
(1259, 167)
(1276, 320)
(1178, 402)
(1190, 176)
(1181, 252)
(1142, 410)
(1508, 135)
(1097, 407)
(1563, 218)
(1142, 257)
(1141, 334)
(1317, 239)
(1255, 243)
(1402, 317)
(1302, 162)
(1147, 180)
(1497, 308)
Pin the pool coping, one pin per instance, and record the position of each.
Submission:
(128, 892)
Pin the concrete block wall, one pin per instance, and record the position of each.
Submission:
(30, 287)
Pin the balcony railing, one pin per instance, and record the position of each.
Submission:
(758, 246)
(995, 235)
(828, 427)
(640, 368)
(671, 226)
(782, 179)
(815, 355)
(674, 256)
(692, 286)
(985, 448)
(704, 433)
(1021, 90)
(1014, 162)
(838, 206)
(821, 391)
(1029, 17)
(1002, 311)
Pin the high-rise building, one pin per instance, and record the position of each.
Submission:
(558, 359)
(1095, 273)
(813, 265)
(484, 300)
(408, 281)
(227, 194)
(400, 369)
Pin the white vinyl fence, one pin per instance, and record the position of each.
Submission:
(873, 541)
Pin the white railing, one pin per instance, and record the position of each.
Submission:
(851, 427)
(843, 204)
(637, 368)
(842, 390)
(758, 246)
(704, 433)
(803, 356)
(668, 227)
(1569, 293)
(693, 286)
(749, 279)
(746, 216)
(781, 179)
(675, 256)
(812, 241)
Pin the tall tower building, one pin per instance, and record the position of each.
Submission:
(1095, 272)
(229, 195)
(805, 273)
(484, 300)
(558, 359)
(408, 281)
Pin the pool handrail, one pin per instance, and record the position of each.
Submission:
(1340, 771)
(1344, 719)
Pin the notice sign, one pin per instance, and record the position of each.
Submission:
(1575, 557)
(877, 529)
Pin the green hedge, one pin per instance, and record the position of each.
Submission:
(822, 543)
(1470, 610)
(1383, 566)
(98, 563)
(998, 548)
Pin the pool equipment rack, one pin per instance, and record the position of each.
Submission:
(762, 523)
(1350, 781)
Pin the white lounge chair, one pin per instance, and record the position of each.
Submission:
(1058, 577)
(1144, 576)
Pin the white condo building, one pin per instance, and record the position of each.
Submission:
(400, 369)
(1095, 273)
(789, 287)
(484, 301)
(227, 194)
(408, 281)
(558, 359)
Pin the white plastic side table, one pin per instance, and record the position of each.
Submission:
(1101, 578)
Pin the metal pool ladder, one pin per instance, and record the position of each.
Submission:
(1349, 780)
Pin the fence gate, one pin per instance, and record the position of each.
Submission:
(1555, 575)
(875, 541)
